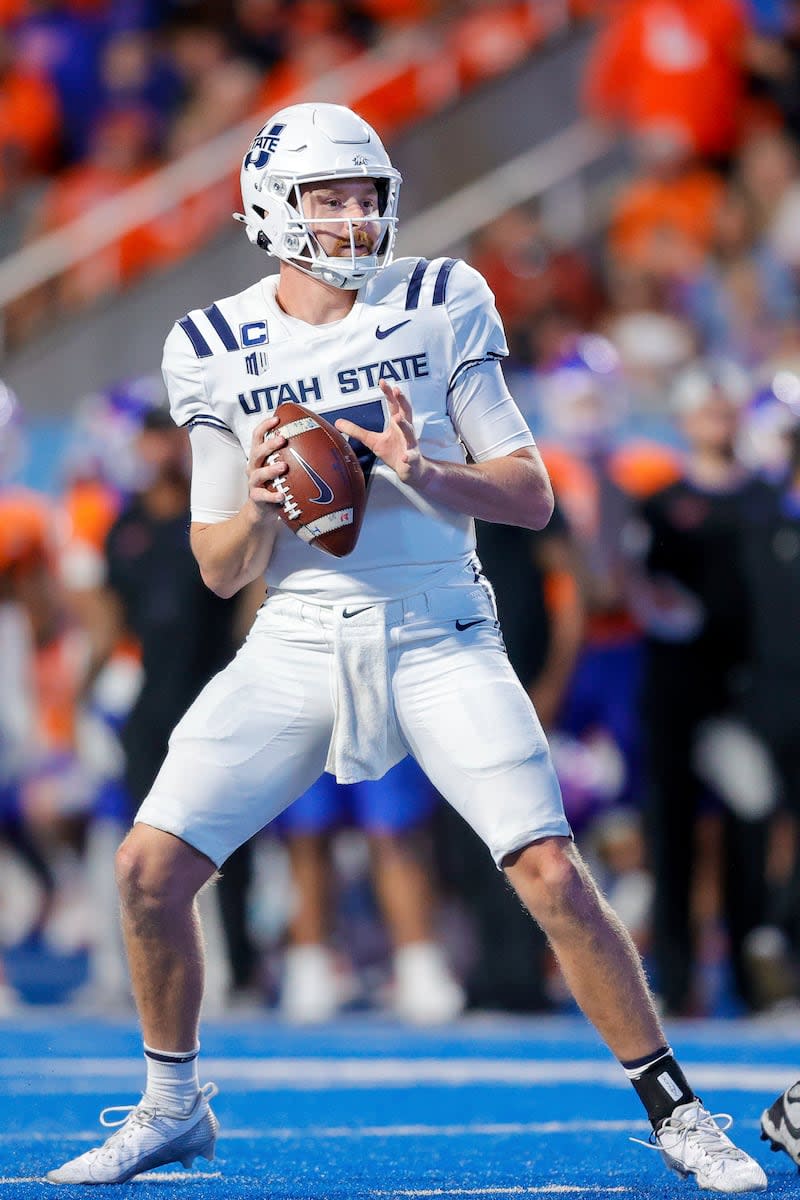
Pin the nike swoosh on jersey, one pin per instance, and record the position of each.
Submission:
(353, 612)
(325, 492)
(380, 334)
(462, 625)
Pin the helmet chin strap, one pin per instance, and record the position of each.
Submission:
(331, 277)
(321, 266)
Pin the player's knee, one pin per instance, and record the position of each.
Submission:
(549, 879)
(148, 877)
(136, 880)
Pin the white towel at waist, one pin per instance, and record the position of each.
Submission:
(365, 741)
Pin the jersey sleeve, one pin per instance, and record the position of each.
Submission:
(185, 382)
(485, 416)
(219, 475)
(482, 411)
(477, 329)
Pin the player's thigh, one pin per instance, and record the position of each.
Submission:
(473, 730)
(255, 739)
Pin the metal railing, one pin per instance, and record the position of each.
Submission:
(524, 178)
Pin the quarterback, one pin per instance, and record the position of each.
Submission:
(353, 663)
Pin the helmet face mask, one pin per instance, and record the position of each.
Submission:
(308, 144)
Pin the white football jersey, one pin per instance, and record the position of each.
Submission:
(420, 325)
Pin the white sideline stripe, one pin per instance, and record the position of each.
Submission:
(26, 1076)
(354, 1132)
(289, 1133)
(547, 1189)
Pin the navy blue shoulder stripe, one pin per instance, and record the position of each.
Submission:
(415, 283)
(207, 419)
(469, 363)
(221, 327)
(440, 287)
(201, 346)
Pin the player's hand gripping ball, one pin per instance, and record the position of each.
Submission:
(323, 490)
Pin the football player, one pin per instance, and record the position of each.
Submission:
(353, 663)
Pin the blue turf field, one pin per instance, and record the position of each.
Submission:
(491, 1107)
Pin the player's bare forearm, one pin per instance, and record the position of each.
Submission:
(512, 490)
(233, 553)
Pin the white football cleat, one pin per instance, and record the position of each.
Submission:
(312, 990)
(425, 990)
(780, 1123)
(692, 1143)
(10, 1001)
(147, 1137)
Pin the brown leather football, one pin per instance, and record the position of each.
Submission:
(323, 491)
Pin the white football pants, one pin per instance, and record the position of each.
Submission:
(429, 676)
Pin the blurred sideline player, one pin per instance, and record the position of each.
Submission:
(774, 563)
(599, 473)
(149, 589)
(394, 814)
(352, 664)
(694, 605)
(17, 703)
(16, 728)
(772, 693)
(600, 470)
(99, 471)
(38, 655)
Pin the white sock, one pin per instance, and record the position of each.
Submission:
(172, 1079)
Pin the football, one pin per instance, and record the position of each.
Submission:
(323, 490)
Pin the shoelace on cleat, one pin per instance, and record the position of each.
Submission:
(134, 1113)
(139, 1114)
(704, 1132)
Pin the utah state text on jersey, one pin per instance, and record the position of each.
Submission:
(351, 379)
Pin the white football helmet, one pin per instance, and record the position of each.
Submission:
(306, 143)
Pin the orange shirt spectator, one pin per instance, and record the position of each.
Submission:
(303, 65)
(664, 222)
(675, 66)
(30, 121)
(91, 507)
(27, 540)
(638, 468)
(493, 38)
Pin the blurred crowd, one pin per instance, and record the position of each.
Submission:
(653, 623)
(97, 95)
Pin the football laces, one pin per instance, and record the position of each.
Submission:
(290, 506)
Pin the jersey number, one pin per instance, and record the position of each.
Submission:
(369, 415)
